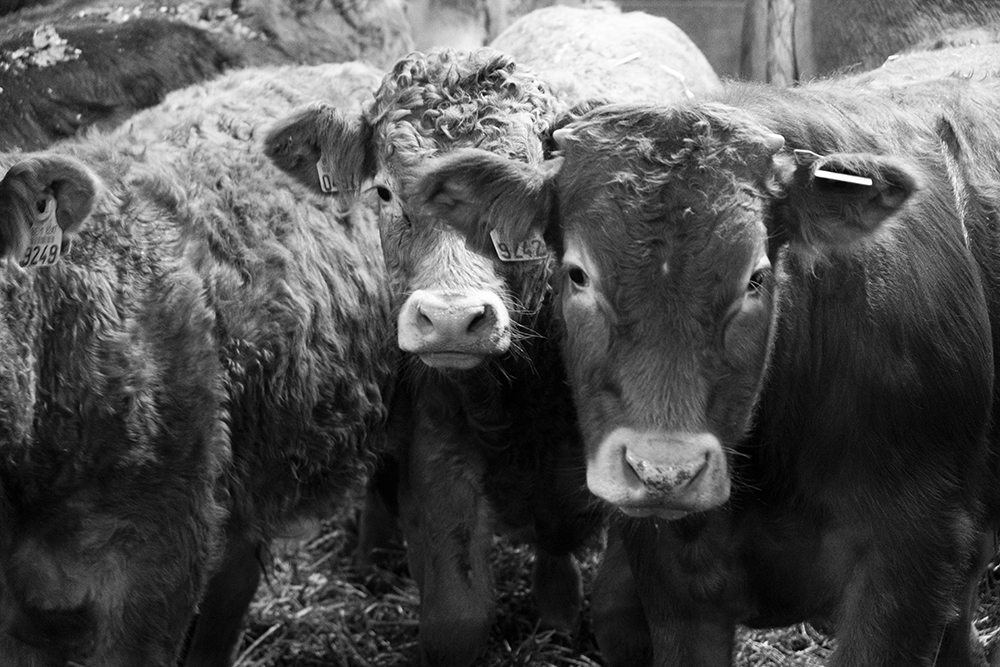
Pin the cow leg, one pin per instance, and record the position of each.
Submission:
(378, 526)
(619, 620)
(230, 590)
(449, 533)
(896, 612)
(678, 577)
(558, 590)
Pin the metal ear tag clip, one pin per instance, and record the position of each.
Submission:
(804, 158)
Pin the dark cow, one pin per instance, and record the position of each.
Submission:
(203, 366)
(780, 314)
(493, 444)
(66, 66)
(791, 40)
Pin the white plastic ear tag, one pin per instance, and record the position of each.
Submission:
(46, 237)
(528, 250)
(805, 158)
(843, 178)
(326, 183)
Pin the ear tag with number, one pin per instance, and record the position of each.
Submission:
(528, 250)
(46, 237)
(326, 182)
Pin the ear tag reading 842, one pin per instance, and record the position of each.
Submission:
(528, 250)
(46, 237)
(326, 183)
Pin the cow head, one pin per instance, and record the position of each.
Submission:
(667, 226)
(456, 307)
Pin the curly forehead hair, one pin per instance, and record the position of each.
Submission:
(480, 98)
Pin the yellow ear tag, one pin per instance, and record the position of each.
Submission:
(46, 237)
(326, 183)
(528, 250)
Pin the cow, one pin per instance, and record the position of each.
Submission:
(648, 57)
(492, 446)
(798, 40)
(779, 315)
(194, 358)
(65, 66)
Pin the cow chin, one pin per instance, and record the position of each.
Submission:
(656, 473)
(452, 360)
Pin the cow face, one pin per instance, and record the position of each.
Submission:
(456, 307)
(667, 225)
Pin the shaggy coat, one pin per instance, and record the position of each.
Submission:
(493, 443)
(206, 365)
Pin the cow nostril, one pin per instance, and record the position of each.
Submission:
(423, 320)
(482, 320)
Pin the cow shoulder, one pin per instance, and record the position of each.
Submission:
(29, 183)
(477, 192)
(323, 135)
(832, 202)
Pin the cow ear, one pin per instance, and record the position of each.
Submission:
(478, 192)
(837, 200)
(29, 183)
(323, 148)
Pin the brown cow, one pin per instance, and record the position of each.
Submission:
(205, 365)
(780, 316)
(69, 65)
(493, 445)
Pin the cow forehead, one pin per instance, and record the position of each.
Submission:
(449, 99)
(695, 238)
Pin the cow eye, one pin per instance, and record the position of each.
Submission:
(578, 276)
(756, 283)
(384, 193)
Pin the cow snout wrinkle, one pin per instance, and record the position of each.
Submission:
(665, 480)
(653, 473)
(445, 327)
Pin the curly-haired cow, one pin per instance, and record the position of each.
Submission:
(780, 319)
(493, 442)
(205, 363)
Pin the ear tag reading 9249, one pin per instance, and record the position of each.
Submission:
(46, 237)
(326, 183)
(529, 250)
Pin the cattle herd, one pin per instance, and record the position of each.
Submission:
(733, 340)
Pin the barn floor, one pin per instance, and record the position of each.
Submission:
(318, 610)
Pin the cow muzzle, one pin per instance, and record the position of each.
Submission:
(454, 330)
(663, 474)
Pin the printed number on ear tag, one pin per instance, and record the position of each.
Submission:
(325, 179)
(46, 237)
(528, 250)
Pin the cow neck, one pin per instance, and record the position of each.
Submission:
(481, 396)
